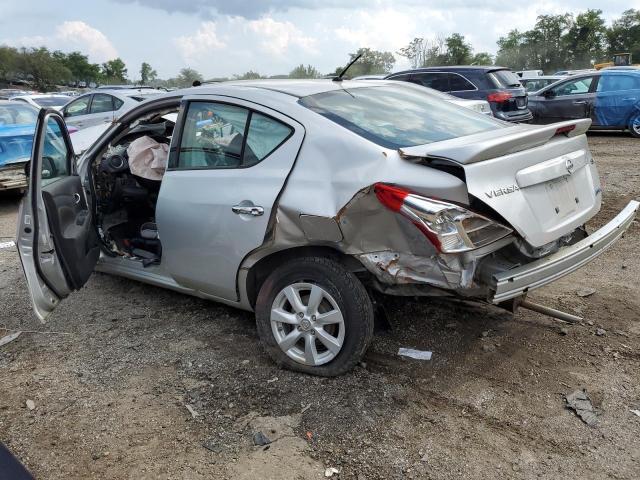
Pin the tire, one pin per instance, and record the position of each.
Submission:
(634, 126)
(344, 316)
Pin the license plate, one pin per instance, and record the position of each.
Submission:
(562, 194)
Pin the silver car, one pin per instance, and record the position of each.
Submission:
(299, 200)
(102, 106)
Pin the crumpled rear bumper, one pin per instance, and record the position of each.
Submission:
(518, 281)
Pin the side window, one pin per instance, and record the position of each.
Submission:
(213, 136)
(575, 87)
(117, 103)
(78, 107)
(101, 103)
(264, 136)
(457, 83)
(436, 80)
(405, 77)
(55, 164)
(614, 83)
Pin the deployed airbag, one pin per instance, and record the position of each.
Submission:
(148, 158)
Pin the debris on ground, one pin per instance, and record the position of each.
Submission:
(192, 411)
(304, 409)
(31, 405)
(488, 347)
(635, 412)
(330, 472)
(260, 439)
(585, 292)
(564, 331)
(601, 332)
(271, 380)
(9, 338)
(580, 402)
(415, 354)
(7, 245)
(211, 445)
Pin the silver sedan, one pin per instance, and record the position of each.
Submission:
(304, 200)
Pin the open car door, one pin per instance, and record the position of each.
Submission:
(56, 238)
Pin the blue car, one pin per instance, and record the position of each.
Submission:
(610, 98)
(17, 125)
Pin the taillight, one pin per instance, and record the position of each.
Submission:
(450, 228)
(566, 129)
(499, 97)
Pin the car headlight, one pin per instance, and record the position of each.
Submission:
(449, 227)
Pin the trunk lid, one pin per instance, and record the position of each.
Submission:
(544, 183)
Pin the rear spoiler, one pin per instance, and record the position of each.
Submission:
(496, 143)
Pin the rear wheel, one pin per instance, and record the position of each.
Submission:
(634, 126)
(314, 316)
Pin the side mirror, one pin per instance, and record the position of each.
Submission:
(549, 94)
(48, 168)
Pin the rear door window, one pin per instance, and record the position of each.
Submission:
(101, 103)
(615, 83)
(117, 103)
(213, 136)
(264, 136)
(457, 83)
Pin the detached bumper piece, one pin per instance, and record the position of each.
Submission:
(515, 282)
(12, 177)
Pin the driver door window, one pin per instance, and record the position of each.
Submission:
(575, 87)
(213, 136)
(55, 154)
(78, 107)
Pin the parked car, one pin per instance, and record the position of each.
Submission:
(481, 106)
(610, 98)
(566, 73)
(534, 84)
(17, 127)
(102, 106)
(497, 85)
(299, 199)
(529, 73)
(44, 100)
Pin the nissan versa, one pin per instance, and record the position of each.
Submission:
(300, 199)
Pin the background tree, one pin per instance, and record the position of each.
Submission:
(624, 34)
(42, 68)
(147, 74)
(8, 62)
(304, 72)
(482, 58)
(586, 39)
(187, 76)
(79, 66)
(250, 75)
(114, 71)
(458, 51)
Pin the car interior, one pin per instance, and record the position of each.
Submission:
(125, 202)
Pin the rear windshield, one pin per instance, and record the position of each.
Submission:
(505, 79)
(51, 101)
(396, 116)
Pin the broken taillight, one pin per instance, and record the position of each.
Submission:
(449, 227)
(499, 97)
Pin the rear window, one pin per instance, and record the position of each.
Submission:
(505, 79)
(51, 101)
(396, 116)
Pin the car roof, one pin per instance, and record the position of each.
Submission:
(296, 88)
(453, 68)
(546, 77)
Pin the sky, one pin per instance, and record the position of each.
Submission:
(222, 38)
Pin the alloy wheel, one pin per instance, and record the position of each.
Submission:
(307, 324)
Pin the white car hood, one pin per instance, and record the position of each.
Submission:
(83, 139)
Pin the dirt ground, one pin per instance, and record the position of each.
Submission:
(113, 371)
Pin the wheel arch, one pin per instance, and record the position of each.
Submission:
(258, 271)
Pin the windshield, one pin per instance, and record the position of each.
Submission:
(505, 79)
(51, 101)
(17, 115)
(396, 116)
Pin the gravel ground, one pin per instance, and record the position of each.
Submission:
(112, 373)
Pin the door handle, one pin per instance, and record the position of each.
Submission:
(247, 210)
(580, 102)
